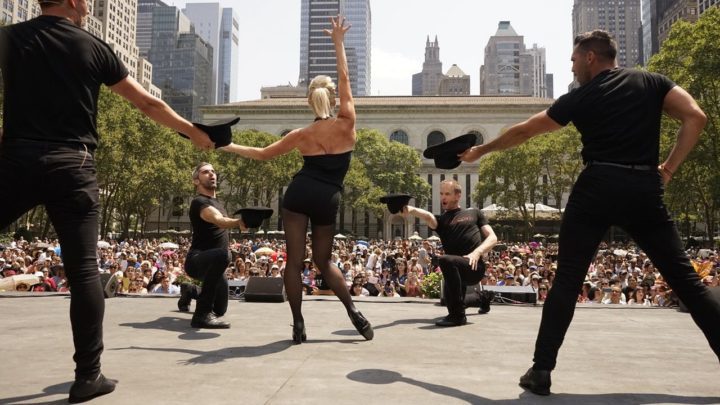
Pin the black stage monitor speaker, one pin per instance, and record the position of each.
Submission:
(109, 283)
(265, 289)
(506, 294)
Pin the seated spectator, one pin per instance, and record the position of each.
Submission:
(615, 296)
(389, 291)
(164, 287)
(357, 289)
(639, 298)
(412, 286)
(542, 292)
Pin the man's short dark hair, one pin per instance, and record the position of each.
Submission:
(599, 42)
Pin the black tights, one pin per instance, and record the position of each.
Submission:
(295, 226)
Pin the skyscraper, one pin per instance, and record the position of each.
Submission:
(454, 83)
(15, 11)
(539, 75)
(426, 82)
(228, 57)
(621, 18)
(706, 4)
(686, 10)
(507, 68)
(182, 62)
(317, 54)
(144, 28)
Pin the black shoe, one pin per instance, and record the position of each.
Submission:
(537, 381)
(184, 300)
(85, 390)
(208, 321)
(362, 325)
(486, 298)
(452, 320)
(299, 335)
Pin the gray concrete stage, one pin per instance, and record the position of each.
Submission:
(611, 355)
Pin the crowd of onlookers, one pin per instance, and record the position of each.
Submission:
(620, 274)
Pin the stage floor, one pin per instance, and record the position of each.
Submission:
(610, 356)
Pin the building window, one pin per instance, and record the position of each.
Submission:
(479, 139)
(434, 138)
(400, 136)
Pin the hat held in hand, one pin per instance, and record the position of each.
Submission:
(254, 216)
(220, 132)
(446, 154)
(395, 202)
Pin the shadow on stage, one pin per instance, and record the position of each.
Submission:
(379, 376)
(57, 389)
(174, 324)
(427, 324)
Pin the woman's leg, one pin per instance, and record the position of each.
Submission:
(295, 226)
(322, 242)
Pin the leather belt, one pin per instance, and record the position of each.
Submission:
(622, 165)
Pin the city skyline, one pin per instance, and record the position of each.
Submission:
(270, 36)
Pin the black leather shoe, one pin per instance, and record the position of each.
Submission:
(184, 300)
(537, 381)
(486, 298)
(298, 334)
(85, 390)
(452, 320)
(362, 325)
(208, 321)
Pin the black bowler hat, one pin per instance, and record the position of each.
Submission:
(395, 202)
(219, 132)
(445, 154)
(253, 216)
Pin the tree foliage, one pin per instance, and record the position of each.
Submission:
(690, 56)
(514, 177)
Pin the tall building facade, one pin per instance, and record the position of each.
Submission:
(454, 83)
(144, 25)
(118, 19)
(229, 52)
(686, 10)
(621, 18)
(426, 82)
(15, 11)
(706, 4)
(539, 75)
(206, 18)
(317, 54)
(507, 68)
(182, 62)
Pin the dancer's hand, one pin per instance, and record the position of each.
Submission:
(471, 154)
(337, 33)
(474, 258)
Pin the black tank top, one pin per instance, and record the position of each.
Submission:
(330, 168)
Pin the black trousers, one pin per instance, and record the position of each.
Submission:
(457, 275)
(209, 266)
(62, 177)
(633, 200)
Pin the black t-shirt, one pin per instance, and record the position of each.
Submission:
(52, 71)
(618, 114)
(459, 230)
(206, 235)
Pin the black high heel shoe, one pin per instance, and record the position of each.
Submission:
(362, 325)
(298, 334)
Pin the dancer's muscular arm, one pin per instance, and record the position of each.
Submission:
(425, 216)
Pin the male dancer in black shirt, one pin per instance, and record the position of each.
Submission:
(52, 71)
(617, 112)
(466, 237)
(209, 254)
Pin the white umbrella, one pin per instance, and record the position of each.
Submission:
(102, 244)
(620, 252)
(169, 245)
(415, 236)
(434, 238)
(340, 236)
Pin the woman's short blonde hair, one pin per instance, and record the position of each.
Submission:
(321, 96)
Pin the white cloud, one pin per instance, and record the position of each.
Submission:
(392, 73)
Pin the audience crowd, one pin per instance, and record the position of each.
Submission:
(620, 274)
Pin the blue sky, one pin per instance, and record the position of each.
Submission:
(270, 38)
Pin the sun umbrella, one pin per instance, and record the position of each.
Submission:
(169, 245)
(266, 251)
(102, 244)
(340, 236)
(415, 236)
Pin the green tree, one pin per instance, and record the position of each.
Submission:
(248, 182)
(560, 161)
(690, 56)
(380, 166)
(140, 164)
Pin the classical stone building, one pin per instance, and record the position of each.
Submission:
(415, 121)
